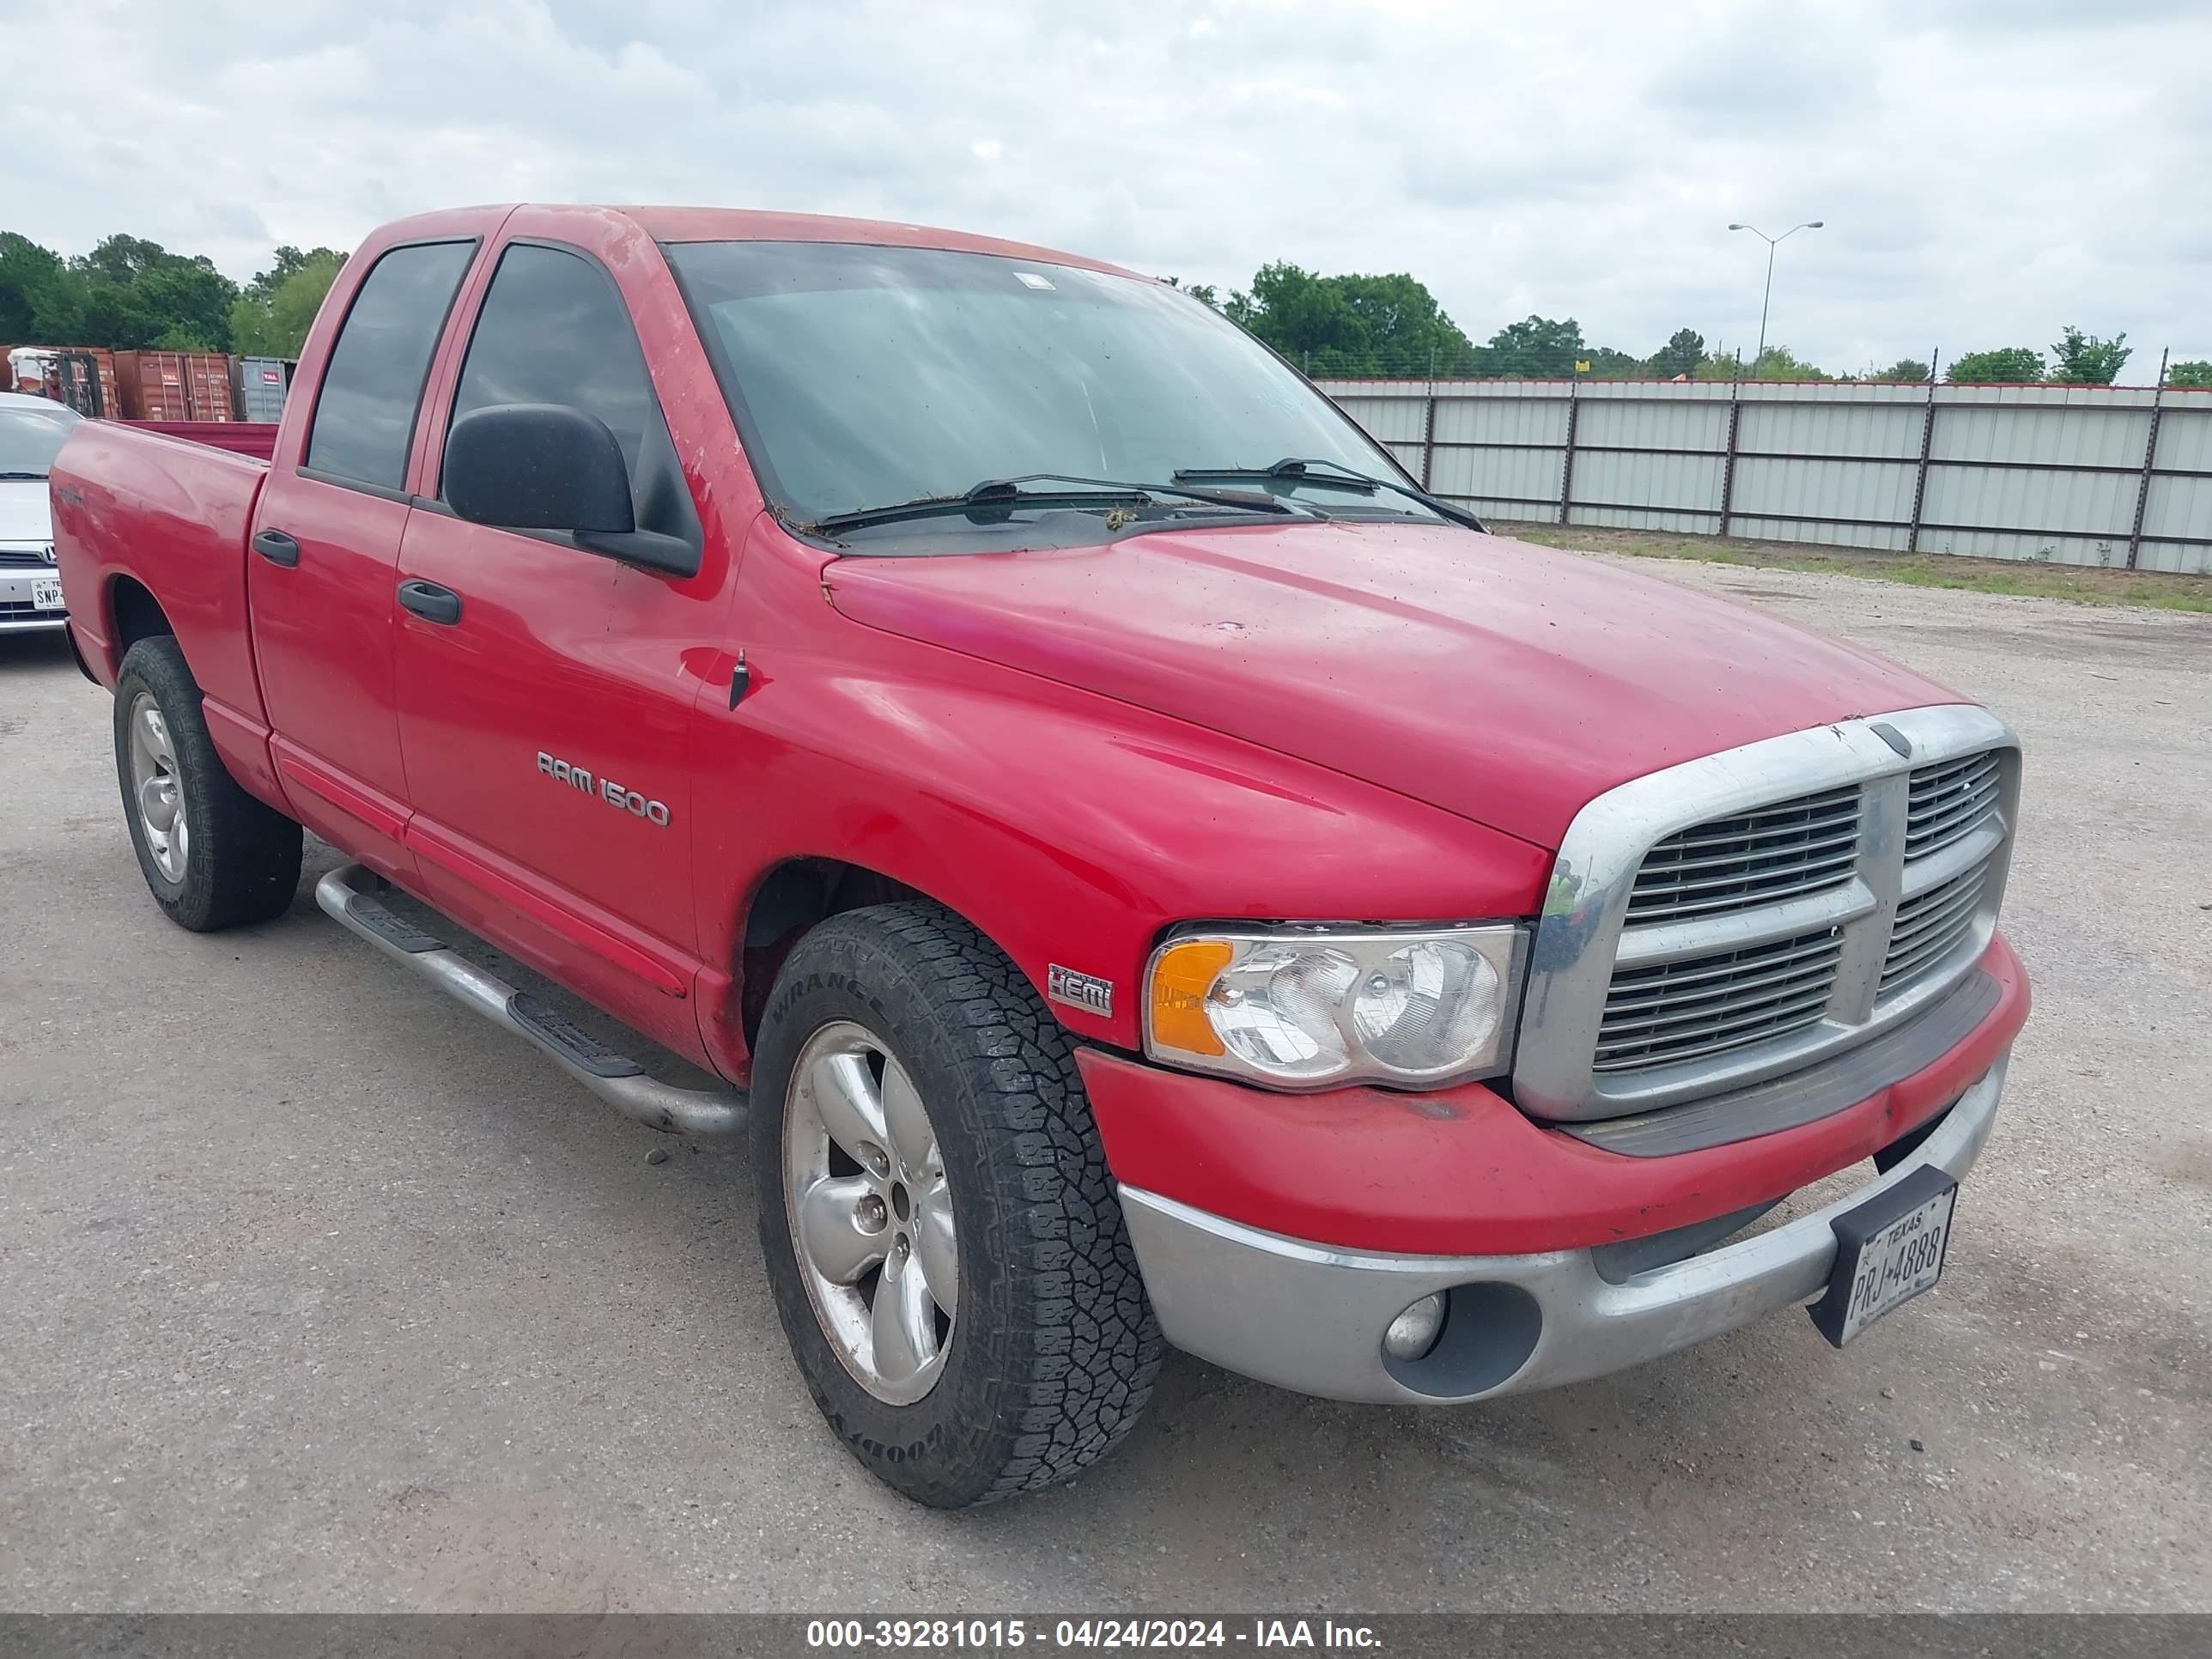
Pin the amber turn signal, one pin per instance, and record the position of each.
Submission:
(1181, 975)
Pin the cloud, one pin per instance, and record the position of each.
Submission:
(1989, 170)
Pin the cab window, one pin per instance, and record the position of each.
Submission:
(365, 415)
(553, 330)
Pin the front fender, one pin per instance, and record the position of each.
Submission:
(1070, 828)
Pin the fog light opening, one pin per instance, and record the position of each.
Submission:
(1414, 1333)
(1481, 1336)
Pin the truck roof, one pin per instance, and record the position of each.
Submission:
(704, 224)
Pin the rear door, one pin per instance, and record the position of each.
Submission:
(325, 546)
(545, 713)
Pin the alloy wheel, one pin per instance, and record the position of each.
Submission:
(156, 790)
(870, 1213)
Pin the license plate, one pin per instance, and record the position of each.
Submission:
(1888, 1250)
(46, 594)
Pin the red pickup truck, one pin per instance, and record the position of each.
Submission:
(1139, 865)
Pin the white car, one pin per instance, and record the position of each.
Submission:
(31, 433)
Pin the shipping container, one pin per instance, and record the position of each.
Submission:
(207, 386)
(173, 385)
(83, 377)
(153, 384)
(257, 385)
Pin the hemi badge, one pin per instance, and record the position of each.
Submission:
(1085, 991)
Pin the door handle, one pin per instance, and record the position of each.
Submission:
(276, 547)
(431, 602)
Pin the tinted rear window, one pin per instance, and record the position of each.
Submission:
(364, 416)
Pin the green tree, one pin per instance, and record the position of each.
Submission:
(1538, 348)
(2198, 373)
(288, 262)
(1607, 364)
(1203, 293)
(1904, 368)
(270, 319)
(1777, 363)
(1684, 351)
(129, 293)
(2005, 366)
(31, 278)
(1351, 324)
(1780, 363)
(2085, 360)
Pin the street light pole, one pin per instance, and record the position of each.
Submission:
(1765, 298)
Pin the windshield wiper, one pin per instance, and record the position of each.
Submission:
(1332, 475)
(1083, 493)
(20, 478)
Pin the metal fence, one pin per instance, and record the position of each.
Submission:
(2115, 476)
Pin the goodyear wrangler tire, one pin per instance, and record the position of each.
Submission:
(213, 856)
(945, 1247)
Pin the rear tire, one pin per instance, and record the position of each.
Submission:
(1042, 1364)
(212, 855)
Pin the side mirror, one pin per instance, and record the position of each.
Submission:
(538, 466)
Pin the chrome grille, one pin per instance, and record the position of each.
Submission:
(1950, 802)
(25, 558)
(1750, 859)
(1929, 926)
(1705, 1005)
(1733, 919)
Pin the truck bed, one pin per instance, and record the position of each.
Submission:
(257, 439)
(136, 509)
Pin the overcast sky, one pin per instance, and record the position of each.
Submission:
(1989, 170)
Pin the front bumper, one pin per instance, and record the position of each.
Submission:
(16, 615)
(1311, 1316)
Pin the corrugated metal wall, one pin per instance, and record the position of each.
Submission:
(2056, 473)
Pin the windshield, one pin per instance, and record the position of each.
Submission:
(31, 438)
(866, 376)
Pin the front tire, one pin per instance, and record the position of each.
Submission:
(212, 855)
(943, 1238)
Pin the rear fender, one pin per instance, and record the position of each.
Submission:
(173, 517)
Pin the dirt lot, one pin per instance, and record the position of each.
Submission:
(319, 1294)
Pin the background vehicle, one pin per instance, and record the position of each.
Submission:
(32, 431)
(1139, 867)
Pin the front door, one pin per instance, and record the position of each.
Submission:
(545, 691)
(325, 544)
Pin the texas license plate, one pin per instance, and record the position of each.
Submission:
(1888, 1250)
(46, 594)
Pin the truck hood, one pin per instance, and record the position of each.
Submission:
(25, 515)
(1506, 683)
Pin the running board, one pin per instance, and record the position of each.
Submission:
(612, 1076)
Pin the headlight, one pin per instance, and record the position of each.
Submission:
(1310, 1007)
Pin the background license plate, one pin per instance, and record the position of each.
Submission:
(46, 595)
(1888, 1250)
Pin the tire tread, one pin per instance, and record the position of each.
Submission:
(1079, 1368)
(244, 865)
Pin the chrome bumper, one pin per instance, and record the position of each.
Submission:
(1311, 1316)
(16, 616)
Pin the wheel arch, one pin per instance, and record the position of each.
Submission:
(796, 894)
(134, 614)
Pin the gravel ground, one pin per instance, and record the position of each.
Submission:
(319, 1294)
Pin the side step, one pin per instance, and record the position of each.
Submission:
(614, 1077)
